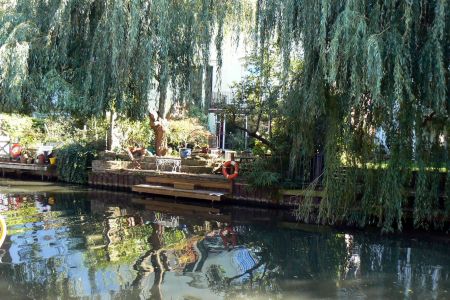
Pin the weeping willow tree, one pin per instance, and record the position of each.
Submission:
(86, 57)
(372, 92)
(373, 70)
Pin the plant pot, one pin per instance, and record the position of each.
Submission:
(205, 149)
(185, 152)
(52, 160)
(41, 159)
(30, 160)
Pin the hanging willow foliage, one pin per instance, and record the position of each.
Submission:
(88, 56)
(370, 67)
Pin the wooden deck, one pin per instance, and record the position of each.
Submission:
(194, 181)
(33, 168)
(177, 192)
(186, 186)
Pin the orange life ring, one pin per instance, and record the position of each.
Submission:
(225, 171)
(16, 150)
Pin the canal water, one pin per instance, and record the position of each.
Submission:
(66, 242)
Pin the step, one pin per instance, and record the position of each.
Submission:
(184, 185)
(176, 192)
(212, 183)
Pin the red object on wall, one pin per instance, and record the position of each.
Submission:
(16, 150)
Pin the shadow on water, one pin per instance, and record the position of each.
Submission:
(68, 242)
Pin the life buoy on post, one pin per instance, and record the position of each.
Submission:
(16, 150)
(225, 171)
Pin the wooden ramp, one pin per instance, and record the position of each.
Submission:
(185, 186)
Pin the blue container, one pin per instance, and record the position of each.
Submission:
(185, 152)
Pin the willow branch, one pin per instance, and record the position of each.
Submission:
(255, 135)
(230, 279)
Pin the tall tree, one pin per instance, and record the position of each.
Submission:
(86, 57)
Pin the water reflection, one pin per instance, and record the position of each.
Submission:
(107, 245)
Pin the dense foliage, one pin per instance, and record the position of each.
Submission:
(89, 56)
(32, 132)
(187, 132)
(373, 90)
(371, 94)
(74, 160)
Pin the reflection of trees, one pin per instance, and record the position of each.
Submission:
(67, 226)
(338, 258)
(282, 255)
(161, 241)
(410, 262)
(158, 260)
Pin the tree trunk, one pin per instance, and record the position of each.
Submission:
(158, 121)
(159, 127)
(109, 137)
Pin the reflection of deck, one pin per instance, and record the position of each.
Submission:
(31, 168)
(178, 192)
(185, 186)
(185, 210)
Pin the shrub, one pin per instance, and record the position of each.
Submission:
(261, 175)
(74, 160)
(130, 133)
(21, 128)
(187, 131)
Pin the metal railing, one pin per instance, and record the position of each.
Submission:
(221, 99)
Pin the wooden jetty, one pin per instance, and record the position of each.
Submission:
(34, 169)
(178, 185)
(120, 175)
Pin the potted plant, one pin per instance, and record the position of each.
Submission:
(186, 132)
(185, 152)
(205, 148)
(24, 157)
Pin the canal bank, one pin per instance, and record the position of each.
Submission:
(193, 180)
(190, 182)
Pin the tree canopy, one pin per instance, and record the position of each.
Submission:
(88, 56)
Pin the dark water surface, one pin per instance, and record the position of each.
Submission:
(73, 243)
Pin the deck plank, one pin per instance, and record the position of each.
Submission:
(213, 183)
(20, 166)
(176, 192)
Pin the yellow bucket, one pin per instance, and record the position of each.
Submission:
(52, 160)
